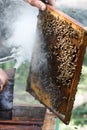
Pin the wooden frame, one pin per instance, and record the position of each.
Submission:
(35, 82)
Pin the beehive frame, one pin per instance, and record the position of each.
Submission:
(64, 40)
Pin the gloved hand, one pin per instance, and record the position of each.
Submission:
(3, 79)
(39, 4)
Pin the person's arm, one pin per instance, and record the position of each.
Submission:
(39, 4)
(3, 79)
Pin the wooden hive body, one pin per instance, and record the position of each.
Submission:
(57, 61)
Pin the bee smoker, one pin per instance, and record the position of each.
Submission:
(6, 97)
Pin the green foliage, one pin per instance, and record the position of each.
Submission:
(79, 115)
(7, 65)
(22, 73)
(85, 60)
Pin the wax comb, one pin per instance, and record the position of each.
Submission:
(57, 61)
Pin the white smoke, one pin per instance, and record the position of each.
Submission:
(19, 22)
(24, 34)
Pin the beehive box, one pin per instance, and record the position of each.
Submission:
(57, 61)
(24, 118)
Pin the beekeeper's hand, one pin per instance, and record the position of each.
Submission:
(3, 79)
(39, 4)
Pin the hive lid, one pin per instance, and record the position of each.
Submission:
(57, 61)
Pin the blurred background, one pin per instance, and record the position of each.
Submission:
(17, 37)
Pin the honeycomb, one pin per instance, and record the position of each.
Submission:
(56, 62)
(61, 53)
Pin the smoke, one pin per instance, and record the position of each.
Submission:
(24, 34)
(17, 30)
(7, 11)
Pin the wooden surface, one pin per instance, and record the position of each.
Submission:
(49, 121)
(24, 118)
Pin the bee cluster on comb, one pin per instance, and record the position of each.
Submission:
(62, 44)
(61, 54)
